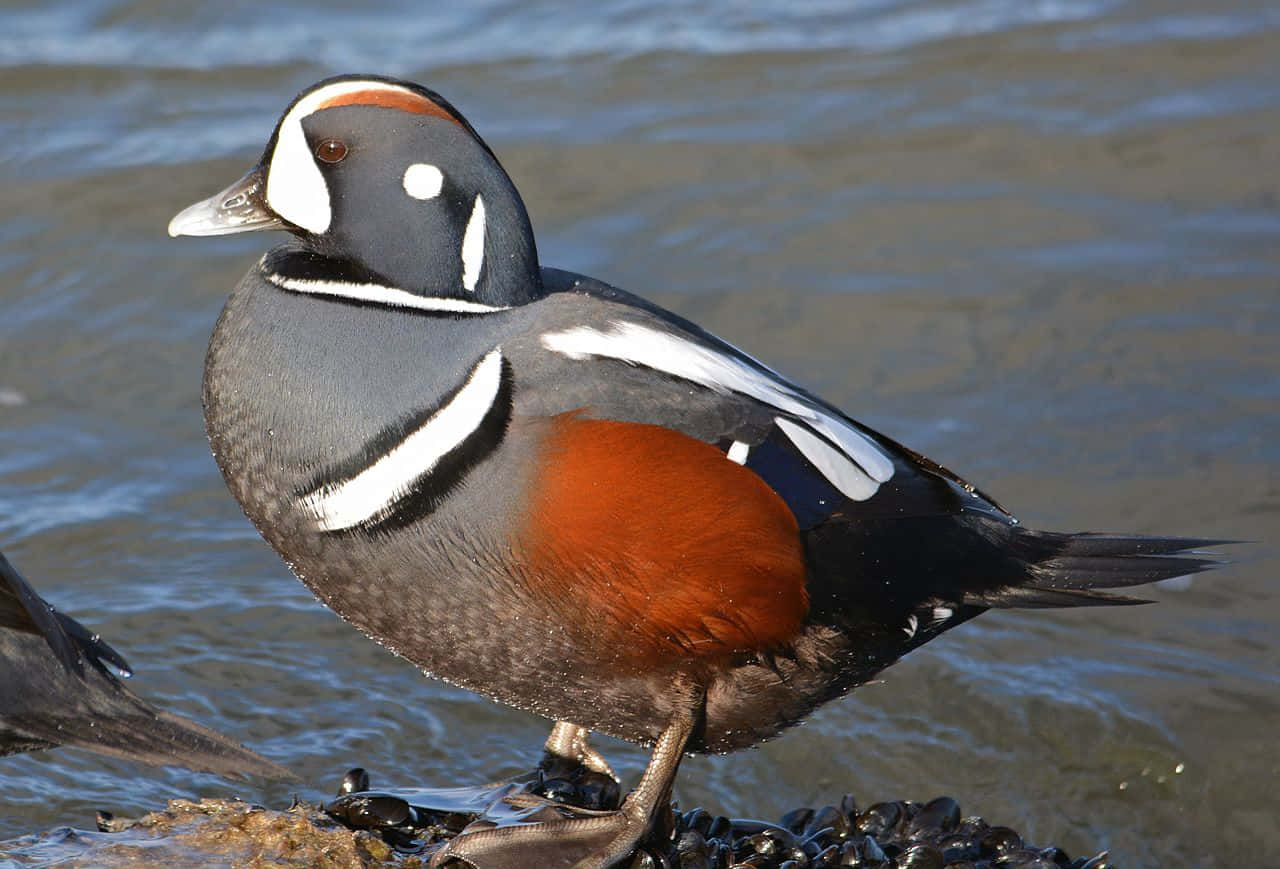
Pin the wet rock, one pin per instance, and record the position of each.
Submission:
(372, 811)
(211, 833)
(999, 840)
(863, 851)
(109, 823)
(938, 817)
(354, 781)
(362, 828)
(921, 856)
(879, 819)
(564, 780)
(699, 820)
(829, 818)
(796, 819)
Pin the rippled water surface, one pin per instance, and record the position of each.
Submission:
(1038, 240)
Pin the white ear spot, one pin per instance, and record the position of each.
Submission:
(423, 181)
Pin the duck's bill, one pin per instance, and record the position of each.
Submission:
(240, 208)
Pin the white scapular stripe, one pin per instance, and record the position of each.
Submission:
(379, 486)
(380, 295)
(473, 246)
(423, 181)
(295, 188)
(738, 452)
(830, 462)
(858, 471)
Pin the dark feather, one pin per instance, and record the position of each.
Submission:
(49, 698)
(1068, 569)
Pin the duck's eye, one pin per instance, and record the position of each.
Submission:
(331, 151)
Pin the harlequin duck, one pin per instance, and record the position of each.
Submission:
(57, 688)
(554, 493)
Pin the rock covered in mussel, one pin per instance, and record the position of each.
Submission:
(887, 835)
(403, 828)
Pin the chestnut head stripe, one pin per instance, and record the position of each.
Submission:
(388, 97)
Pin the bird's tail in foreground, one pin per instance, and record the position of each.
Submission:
(1070, 570)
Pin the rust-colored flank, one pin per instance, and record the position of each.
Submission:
(390, 98)
(661, 538)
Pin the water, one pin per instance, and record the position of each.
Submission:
(1038, 241)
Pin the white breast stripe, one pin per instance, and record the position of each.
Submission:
(738, 452)
(857, 472)
(380, 295)
(473, 246)
(379, 486)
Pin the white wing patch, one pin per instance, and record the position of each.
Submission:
(377, 294)
(473, 246)
(375, 489)
(848, 458)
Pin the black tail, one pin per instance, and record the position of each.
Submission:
(1067, 570)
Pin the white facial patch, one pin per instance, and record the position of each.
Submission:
(378, 487)
(423, 181)
(295, 187)
(847, 457)
(473, 246)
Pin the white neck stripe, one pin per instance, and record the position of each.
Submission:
(473, 246)
(377, 294)
(378, 487)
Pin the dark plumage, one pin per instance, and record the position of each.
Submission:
(552, 492)
(57, 688)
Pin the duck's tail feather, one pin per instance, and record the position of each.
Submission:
(1068, 570)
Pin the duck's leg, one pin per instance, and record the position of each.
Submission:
(569, 741)
(593, 842)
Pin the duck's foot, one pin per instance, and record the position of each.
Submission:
(569, 741)
(585, 840)
(570, 843)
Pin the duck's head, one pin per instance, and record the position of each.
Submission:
(388, 183)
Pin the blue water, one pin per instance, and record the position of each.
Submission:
(1038, 241)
